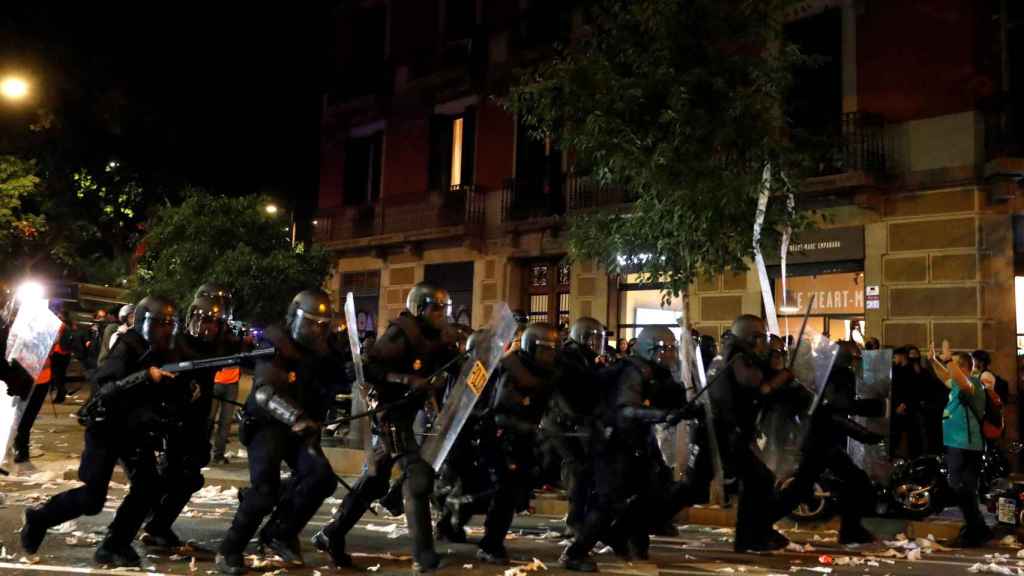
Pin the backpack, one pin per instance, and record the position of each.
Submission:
(992, 423)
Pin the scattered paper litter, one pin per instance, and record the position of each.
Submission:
(467, 566)
(391, 530)
(214, 494)
(373, 568)
(4, 555)
(914, 555)
(995, 569)
(1020, 554)
(794, 547)
(997, 557)
(66, 528)
(818, 569)
(605, 550)
(316, 573)
(1009, 541)
(534, 566)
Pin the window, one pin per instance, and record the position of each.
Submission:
(547, 288)
(456, 172)
(365, 289)
(452, 147)
(640, 306)
(362, 169)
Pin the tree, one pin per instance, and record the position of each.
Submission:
(21, 229)
(681, 103)
(231, 241)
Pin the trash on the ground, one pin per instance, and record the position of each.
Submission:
(4, 555)
(997, 557)
(215, 494)
(794, 547)
(391, 530)
(534, 566)
(825, 559)
(373, 568)
(890, 553)
(176, 557)
(65, 528)
(467, 566)
(993, 568)
(29, 560)
(914, 555)
(1009, 541)
(604, 550)
(818, 569)
(193, 565)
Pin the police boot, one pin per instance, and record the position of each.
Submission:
(496, 555)
(446, 531)
(161, 538)
(118, 555)
(333, 547)
(231, 563)
(577, 563)
(32, 531)
(290, 551)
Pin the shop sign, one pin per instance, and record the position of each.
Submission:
(824, 245)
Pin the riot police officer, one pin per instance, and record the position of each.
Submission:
(625, 500)
(284, 413)
(187, 450)
(824, 447)
(570, 410)
(523, 384)
(401, 371)
(747, 383)
(121, 419)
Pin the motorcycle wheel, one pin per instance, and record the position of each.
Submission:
(816, 507)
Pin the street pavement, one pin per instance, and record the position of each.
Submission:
(381, 545)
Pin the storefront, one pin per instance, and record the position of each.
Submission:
(828, 266)
(643, 305)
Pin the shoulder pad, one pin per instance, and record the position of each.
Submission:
(409, 327)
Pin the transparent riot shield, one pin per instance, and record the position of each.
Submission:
(476, 371)
(874, 380)
(815, 355)
(32, 335)
(359, 429)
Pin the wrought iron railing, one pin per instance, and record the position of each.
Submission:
(531, 198)
(584, 193)
(458, 206)
(856, 144)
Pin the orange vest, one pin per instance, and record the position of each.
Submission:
(228, 375)
(45, 374)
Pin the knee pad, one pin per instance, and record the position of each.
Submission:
(419, 479)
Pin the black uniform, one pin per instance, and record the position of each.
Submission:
(825, 448)
(571, 412)
(736, 403)
(627, 495)
(521, 393)
(308, 381)
(186, 452)
(136, 417)
(408, 347)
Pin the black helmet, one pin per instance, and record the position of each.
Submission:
(218, 292)
(203, 311)
(424, 298)
(657, 344)
(125, 312)
(156, 321)
(309, 318)
(589, 333)
(541, 342)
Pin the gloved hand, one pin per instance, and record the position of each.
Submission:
(306, 428)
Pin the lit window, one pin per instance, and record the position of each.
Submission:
(456, 152)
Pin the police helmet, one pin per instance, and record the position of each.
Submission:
(589, 333)
(218, 292)
(423, 296)
(541, 342)
(125, 312)
(656, 344)
(203, 312)
(156, 321)
(309, 318)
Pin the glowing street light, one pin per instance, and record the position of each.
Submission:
(14, 88)
(271, 209)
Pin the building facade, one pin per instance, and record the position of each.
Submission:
(425, 177)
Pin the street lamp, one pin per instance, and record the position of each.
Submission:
(271, 209)
(14, 88)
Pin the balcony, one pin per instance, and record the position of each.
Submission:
(850, 155)
(455, 214)
(531, 199)
(583, 193)
(1004, 140)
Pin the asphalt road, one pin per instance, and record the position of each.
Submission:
(381, 547)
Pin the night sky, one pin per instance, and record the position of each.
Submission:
(221, 95)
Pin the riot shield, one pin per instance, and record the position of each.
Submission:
(814, 359)
(32, 335)
(705, 399)
(359, 429)
(475, 373)
(874, 380)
